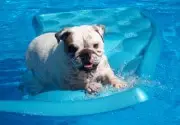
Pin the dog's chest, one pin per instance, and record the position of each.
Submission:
(81, 78)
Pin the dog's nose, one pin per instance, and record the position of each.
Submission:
(85, 56)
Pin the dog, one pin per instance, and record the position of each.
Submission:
(71, 59)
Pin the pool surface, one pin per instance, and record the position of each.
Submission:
(16, 31)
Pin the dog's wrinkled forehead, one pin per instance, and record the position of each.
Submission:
(81, 34)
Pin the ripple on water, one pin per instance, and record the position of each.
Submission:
(65, 15)
(50, 23)
(85, 20)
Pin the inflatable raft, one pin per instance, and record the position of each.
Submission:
(131, 45)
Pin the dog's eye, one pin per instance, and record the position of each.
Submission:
(96, 45)
(72, 49)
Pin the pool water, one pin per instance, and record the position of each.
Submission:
(16, 31)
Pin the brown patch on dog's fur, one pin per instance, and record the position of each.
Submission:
(62, 35)
(68, 39)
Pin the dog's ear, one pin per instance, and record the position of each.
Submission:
(63, 34)
(99, 29)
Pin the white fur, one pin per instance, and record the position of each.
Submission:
(44, 58)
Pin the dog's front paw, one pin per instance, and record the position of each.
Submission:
(93, 87)
(119, 84)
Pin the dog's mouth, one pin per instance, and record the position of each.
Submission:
(88, 66)
(86, 61)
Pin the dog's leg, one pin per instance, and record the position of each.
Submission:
(34, 86)
(117, 83)
(114, 80)
(93, 87)
(111, 78)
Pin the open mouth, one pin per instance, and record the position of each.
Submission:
(88, 66)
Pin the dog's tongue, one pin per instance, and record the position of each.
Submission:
(88, 66)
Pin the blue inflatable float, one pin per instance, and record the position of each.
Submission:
(131, 45)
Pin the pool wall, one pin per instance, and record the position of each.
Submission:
(16, 31)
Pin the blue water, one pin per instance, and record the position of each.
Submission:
(16, 32)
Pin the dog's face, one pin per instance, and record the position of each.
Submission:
(84, 45)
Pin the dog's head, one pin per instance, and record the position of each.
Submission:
(84, 45)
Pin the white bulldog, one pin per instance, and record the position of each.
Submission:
(71, 59)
